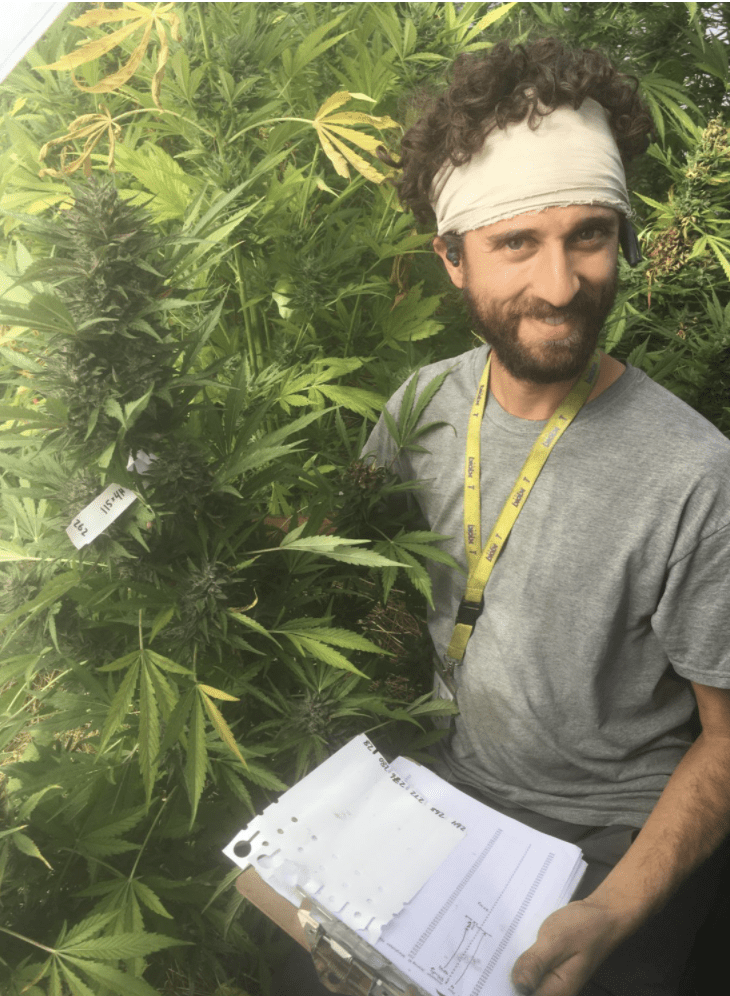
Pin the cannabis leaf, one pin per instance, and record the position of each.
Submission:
(142, 17)
(331, 130)
(309, 636)
(92, 127)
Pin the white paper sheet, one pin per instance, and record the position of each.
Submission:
(351, 836)
(463, 932)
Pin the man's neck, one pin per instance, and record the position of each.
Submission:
(538, 402)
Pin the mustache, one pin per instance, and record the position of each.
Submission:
(582, 304)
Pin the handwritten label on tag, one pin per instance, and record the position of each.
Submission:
(99, 515)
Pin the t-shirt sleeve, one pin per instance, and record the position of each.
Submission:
(380, 448)
(692, 620)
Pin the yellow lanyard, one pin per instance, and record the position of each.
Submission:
(482, 560)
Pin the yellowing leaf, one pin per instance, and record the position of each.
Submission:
(92, 127)
(216, 693)
(92, 50)
(360, 164)
(494, 15)
(331, 129)
(123, 75)
(222, 728)
(358, 117)
(336, 100)
(359, 138)
(144, 17)
(339, 162)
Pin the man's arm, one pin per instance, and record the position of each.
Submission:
(688, 823)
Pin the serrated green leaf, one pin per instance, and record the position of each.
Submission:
(245, 620)
(355, 399)
(331, 634)
(150, 899)
(168, 665)
(51, 592)
(75, 984)
(337, 548)
(54, 981)
(120, 983)
(161, 620)
(121, 662)
(32, 801)
(149, 732)
(322, 652)
(43, 313)
(116, 946)
(435, 707)
(263, 777)
(197, 757)
(26, 846)
(119, 709)
(177, 720)
(6, 833)
(85, 929)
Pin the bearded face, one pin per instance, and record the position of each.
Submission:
(539, 287)
(550, 360)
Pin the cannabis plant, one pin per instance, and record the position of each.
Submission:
(164, 677)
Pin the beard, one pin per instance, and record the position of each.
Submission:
(551, 361)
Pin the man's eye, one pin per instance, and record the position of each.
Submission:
(515, 244)
(589, 234)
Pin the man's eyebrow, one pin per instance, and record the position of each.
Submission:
(520, 233)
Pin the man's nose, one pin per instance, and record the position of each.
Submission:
(555, 279)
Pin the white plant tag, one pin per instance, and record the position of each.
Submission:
(140, 461)
(99, 514)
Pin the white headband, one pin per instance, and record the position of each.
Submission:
(570, 158)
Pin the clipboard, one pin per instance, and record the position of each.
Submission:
(398, 883)
(345, 964)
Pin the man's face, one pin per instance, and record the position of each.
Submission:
(540, 286)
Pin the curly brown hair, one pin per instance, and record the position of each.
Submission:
(505, 86)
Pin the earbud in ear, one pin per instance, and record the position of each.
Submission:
(453, 257)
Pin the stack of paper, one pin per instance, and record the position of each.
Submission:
(445, 888)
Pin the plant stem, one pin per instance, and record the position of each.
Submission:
(149, 833)
(20, 937)
(254, 347)
(203, 31)
(308, 183)
(158, 110)
(267, 121)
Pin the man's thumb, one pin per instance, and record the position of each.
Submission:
(529, 970)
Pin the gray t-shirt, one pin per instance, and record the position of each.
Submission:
(612, 590)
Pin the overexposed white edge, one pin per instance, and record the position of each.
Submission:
(23, 24)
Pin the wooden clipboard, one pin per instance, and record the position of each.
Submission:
(283, 913)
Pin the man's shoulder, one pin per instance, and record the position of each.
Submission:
(672, 423)
(461, 378)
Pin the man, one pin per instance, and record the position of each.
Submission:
(594, 621)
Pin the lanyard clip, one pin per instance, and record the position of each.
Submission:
(449, 665)
(469, 612)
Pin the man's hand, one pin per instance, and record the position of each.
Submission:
(571, 944)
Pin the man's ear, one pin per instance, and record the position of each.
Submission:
(451, 260)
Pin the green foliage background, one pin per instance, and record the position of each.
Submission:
(233, 303)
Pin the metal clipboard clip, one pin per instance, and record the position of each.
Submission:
(347, 964)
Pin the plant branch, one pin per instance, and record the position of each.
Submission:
(27, 940)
